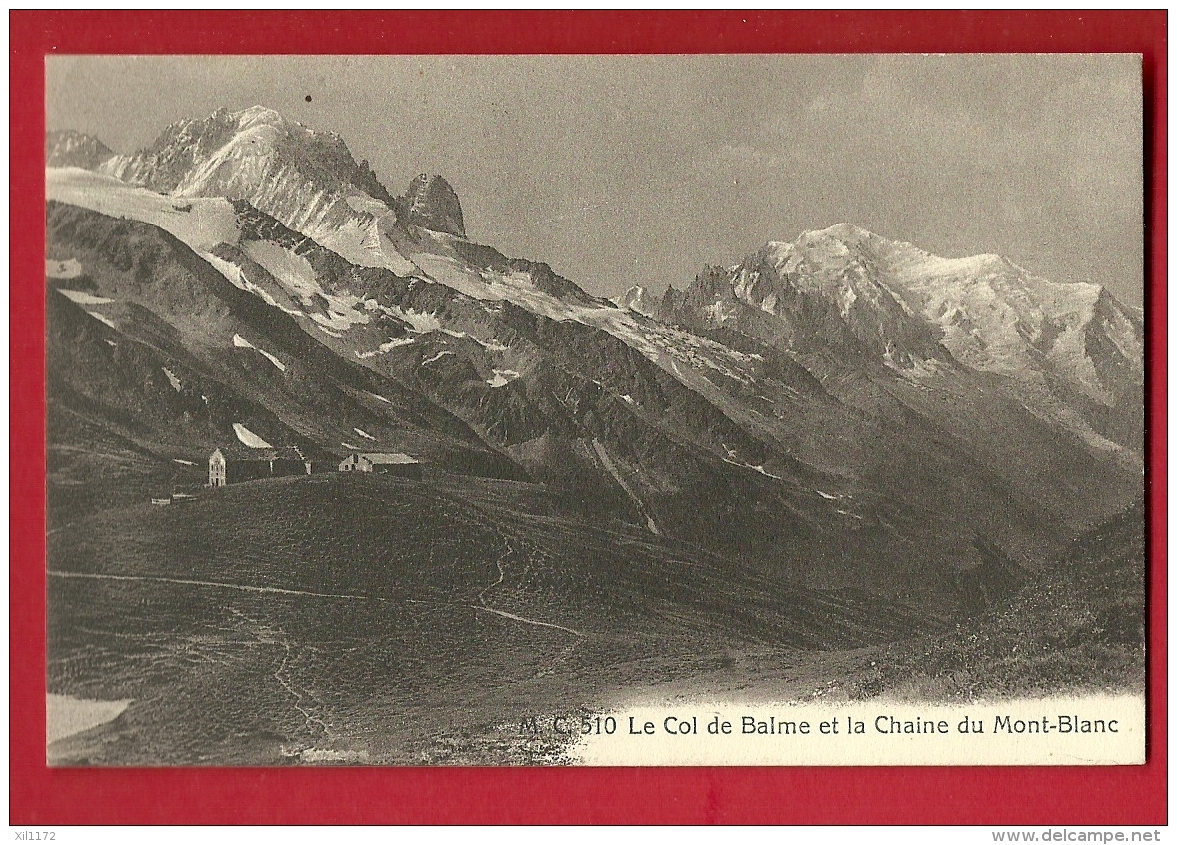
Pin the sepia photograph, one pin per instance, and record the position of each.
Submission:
(584, 410)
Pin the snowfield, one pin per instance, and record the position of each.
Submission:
(297, 276)
(207, 223)
(212, 221)
(659, 343)
(236, 275)
(421, 322)
(251, 164)
(386, 347)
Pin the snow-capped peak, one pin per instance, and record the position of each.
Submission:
(843, 289)
(638, 299)
(257, 115)
(69, 148)
(841, 231)
(304, 178)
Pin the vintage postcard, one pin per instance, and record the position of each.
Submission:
(595, 410)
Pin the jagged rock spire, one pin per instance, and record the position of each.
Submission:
(431, 202)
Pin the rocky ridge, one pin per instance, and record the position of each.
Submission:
(809, 407)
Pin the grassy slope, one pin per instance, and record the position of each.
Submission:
(402, 653)
(415, 666)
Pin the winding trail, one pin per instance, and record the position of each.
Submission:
(245, 587)
(310, 720)
(502, 575)
(484, 607)
(265, 635)
(160, 579)
(507, 615)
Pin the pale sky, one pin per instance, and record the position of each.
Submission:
(621, 170)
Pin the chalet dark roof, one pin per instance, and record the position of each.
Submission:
(389, 458)
(239, 452)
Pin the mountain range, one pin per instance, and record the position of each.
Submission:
(840, 411)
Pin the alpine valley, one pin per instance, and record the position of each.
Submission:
(831, 454)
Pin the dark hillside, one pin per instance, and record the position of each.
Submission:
(283, 619)
(1076, 626)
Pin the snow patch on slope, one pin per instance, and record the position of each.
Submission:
(492, 345)
(248, 438)
(387, 347)
(241, 342)
(172, 378)
(612, 469)
(101, 319)
(240, 280)
(733, 459)
(395, 342)
(83, 298)
(436, 357)
(502, 377)
(71, 268)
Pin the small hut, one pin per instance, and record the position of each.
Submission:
(387, 463)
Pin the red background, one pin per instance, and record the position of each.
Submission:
(975, 795)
